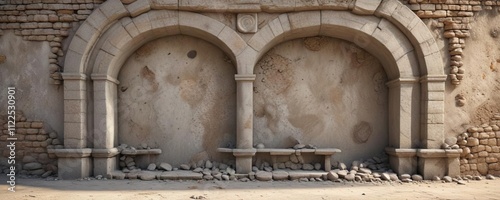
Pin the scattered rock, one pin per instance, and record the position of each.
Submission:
(222, 166)
(147, 176)
(447, 179)
(165, 166)
(208, 164)
(490, 177)
(406, 180)
(405, 176)
(251, 175)
(349, 177)
(393, 177)
(317, 166)
(478, 178)
(280, 175)
(436, 178)
(299, 146)
(217, 176)
(342, 173)
(417, 177)
(244, 180)
(32, 166)
(151, 167)
(208, 177)
(303, 179)
(342, 166)
(264, 176)
(332, 176)
(268, 169)
(307, 167)
(260, 146)
(185, 167)
(225, 177)
(461, 182)
(365, 170)
(46, 174)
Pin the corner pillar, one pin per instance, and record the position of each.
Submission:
(244, 123)
(73, 160)
(105, 124)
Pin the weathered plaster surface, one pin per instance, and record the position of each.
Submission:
(317, 90)
(184, 106)
(26, 68)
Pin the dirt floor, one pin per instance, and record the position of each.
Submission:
(135, 189)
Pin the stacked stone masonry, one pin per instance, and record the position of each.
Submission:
(453, 16)
(51, 21)
(46, 20)
(481, 149)
(33, 146)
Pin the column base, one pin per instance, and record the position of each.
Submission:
(438, 162)
(402, 161)
(244, 160)
(73, 163)
(104, 161)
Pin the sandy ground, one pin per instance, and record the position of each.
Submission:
(134, 189)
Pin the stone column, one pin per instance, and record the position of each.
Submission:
(105, 124)
(404, 108)
(434, 161)
(74, 161)
(404, 124)
(433, 111)
(244, 123)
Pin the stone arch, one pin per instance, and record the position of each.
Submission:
(97, 51)
(399, 39)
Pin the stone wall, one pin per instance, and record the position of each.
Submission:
(481, 149)
(33, 141)
(51, 21)
(46, 20)
(453, 17)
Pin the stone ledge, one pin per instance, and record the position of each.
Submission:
(439, 153)
(105, 153)
(141, 152)
(71, 153)
(401, 152)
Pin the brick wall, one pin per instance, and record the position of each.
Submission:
(31, 145)
(453, 17)
(481, 149)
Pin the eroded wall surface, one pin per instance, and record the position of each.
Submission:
(321, 91)
(178, 94)
(190, 116)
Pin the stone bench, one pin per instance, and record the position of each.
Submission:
(326, 152)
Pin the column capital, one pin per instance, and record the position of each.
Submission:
(74, 76)
(244, 77)
(400, 81)
(104, 77)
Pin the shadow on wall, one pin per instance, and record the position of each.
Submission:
(178, 94)
(321, 91)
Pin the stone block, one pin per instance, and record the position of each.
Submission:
(104, 166)
(164, 4)
(277, 5)
(236, 45)
(366, 7)
(304, 24)
(168, 20)
(142, 23)
(138, 7)
(73, 168)
(199, 25)
(113, 9)
(262, 38)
